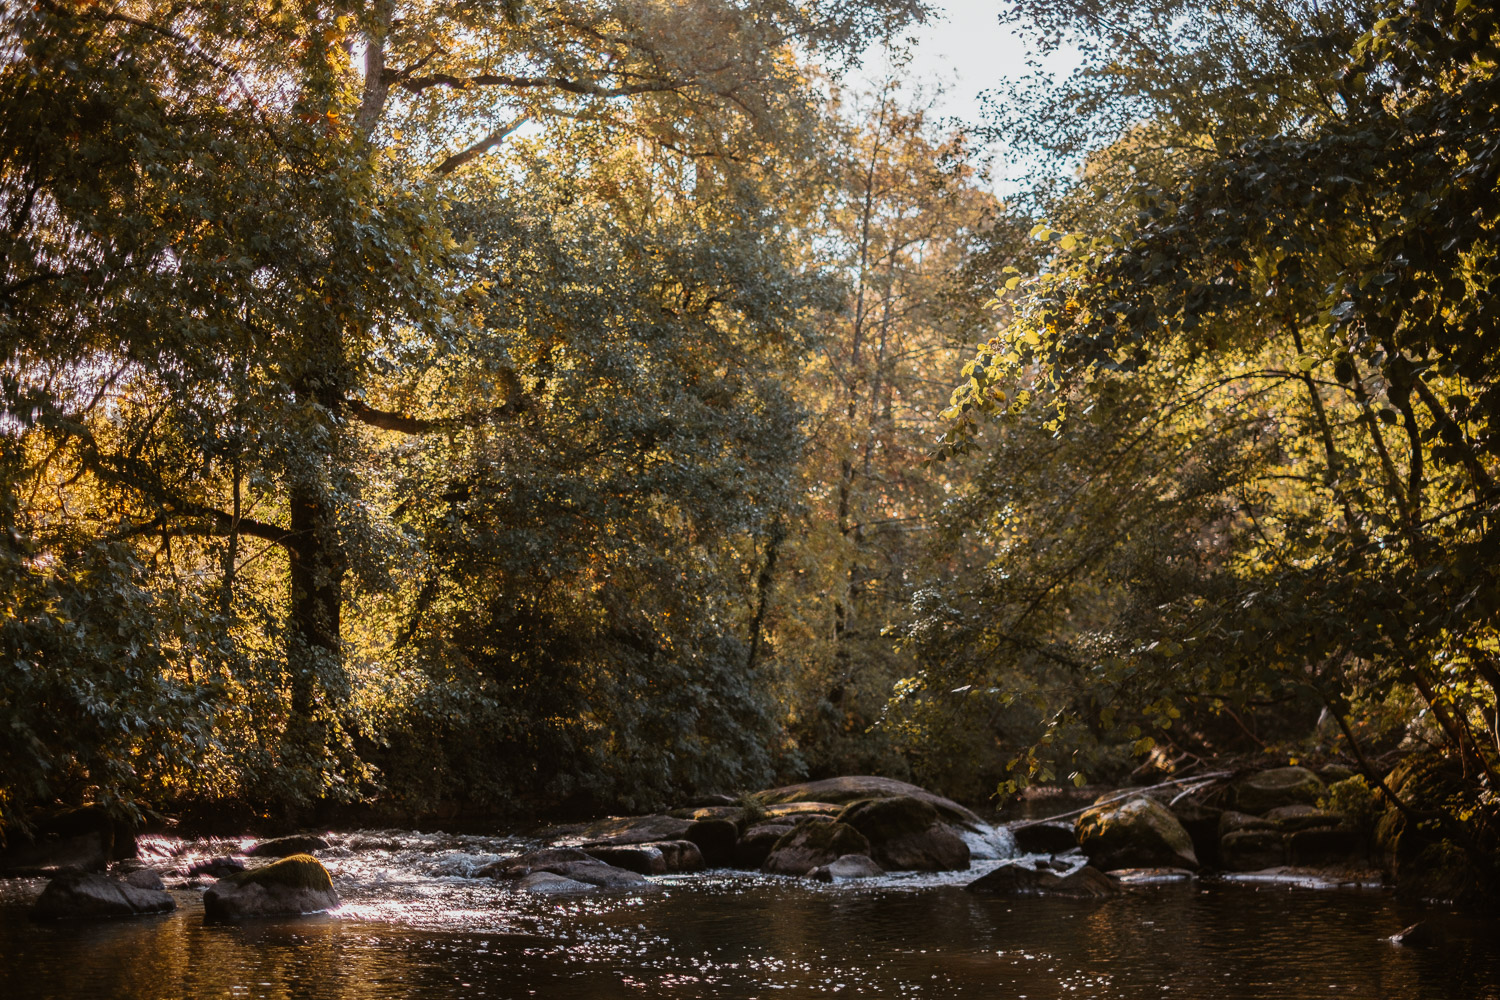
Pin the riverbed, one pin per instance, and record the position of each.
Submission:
(415, 923)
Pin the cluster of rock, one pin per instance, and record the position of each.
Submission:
(830, 830)
(294, 885)
(1266, 820)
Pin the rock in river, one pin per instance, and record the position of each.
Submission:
(850, 866)
(1138, 833)
(548, 884)
(812, 845)
(1016, 879)
(286, 888)
(76, 895)
(568, 862)
(906, 834)
(665, 857)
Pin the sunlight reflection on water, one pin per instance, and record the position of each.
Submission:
(416, 924)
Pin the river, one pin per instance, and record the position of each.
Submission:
(414, 924)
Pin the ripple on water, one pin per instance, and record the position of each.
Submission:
(415, 923)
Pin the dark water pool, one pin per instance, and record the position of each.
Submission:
(415, 926)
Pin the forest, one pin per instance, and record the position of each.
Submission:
(442, 408)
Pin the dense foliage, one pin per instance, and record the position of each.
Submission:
(396, 395)
(1247, 404)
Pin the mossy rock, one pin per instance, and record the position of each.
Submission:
(297, 871)
(290, 887)
(1137, 833)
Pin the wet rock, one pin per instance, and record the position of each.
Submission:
(906, 834)
(850, 866)
(666, 857)
(1302, 817)
(1014, 879)
(290, 887)
(145, 878)
(78, 895)
(1044, 838)
(599, 874)
(755, 844)
(1087, 882)
(715, 839)
(524, 864)
(1137, 833)
(285, 847)
(216, 867)
(812, 845)
(1252, 850)
(549, 884)
(1281, 786)
(568, 862)
(851, 788)
(643, 859)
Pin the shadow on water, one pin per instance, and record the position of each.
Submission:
(411, 928)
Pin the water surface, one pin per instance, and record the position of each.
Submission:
(415, 924)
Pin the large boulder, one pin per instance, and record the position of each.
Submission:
(290, 887)
(906, 834)
(643, 859)
(75, 895)
(285, 847)
(851, 788)
(1136, 833)
(1263, 791)
(813, 845)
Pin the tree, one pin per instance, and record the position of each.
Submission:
(1289, 274)
(905, 213)
(232, 285)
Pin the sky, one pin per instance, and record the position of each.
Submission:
(967, 51)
